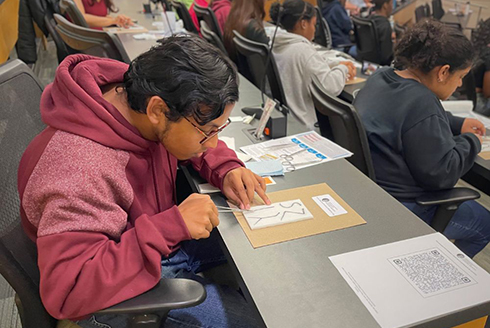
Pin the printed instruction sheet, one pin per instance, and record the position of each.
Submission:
(297, 151)
(415, 280)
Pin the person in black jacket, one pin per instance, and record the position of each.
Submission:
(29, 11)
(382, 11)
(415, 145)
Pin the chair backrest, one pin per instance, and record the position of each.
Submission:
(427, 10)
(183, 14)
(257, 54)
(420, 13)
(62, 50)
(437, 10)
(399, 30)
(211, 37)
(20, 94)
(367, 40)
(322, 33)
(90, 41)
(68, 7)
(346, 126)
(207, 14)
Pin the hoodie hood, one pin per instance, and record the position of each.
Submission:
(285, 39)
(74, 103)
(220, 4)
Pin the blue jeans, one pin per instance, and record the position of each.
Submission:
(469, 227)
(224, 307)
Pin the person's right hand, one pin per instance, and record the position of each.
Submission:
(123, 21)
(351, 67)
(200, 215)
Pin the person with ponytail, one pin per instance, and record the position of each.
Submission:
(298, 60)
(96, 13)
(416, 146)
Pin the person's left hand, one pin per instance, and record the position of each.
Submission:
(471, 125)
(240, 186)
(124, 21)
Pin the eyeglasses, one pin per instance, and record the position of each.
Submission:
(212, 133)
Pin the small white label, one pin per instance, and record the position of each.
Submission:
(329, 205)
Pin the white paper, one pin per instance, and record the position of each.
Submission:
(485, 146)
(413, 281)
(276, 214)
(306, 149)
(329, 205)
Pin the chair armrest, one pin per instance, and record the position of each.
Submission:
(167, 295)
(448, 197)
(346, 45)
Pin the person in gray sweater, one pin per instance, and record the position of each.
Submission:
(298, 60)
(415, 145)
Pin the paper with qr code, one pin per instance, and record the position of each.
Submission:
(414, 281)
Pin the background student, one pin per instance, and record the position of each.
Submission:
(482, 67)
(415, 145)
(221, 10)
(96, 13)
(381, 12)
(298, 60)
(338, 21)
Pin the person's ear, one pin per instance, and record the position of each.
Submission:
(156, 110)
(443, 73)
(304, 24)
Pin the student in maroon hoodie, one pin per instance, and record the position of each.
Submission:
(97, 186)
(221, 10)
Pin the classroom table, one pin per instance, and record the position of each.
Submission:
(293, 284)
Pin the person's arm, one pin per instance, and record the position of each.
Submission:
(435, 157)
(333, 79)
(385, 42)
(486, 84)
(81, 206)
(103, 21)
(215, 163)
(343, 21)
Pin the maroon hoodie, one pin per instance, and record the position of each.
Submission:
(97, 198)
(221, 10)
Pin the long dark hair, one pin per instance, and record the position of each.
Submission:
(109, 4)
(481, 36)
(430, 43)
(241, 13)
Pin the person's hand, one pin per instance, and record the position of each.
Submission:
(352, 69)
(240, 186)
(471, 125)
(123, 21)
(200, 215)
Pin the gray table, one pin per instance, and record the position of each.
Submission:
(293, 284)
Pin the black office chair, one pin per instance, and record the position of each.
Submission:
(211, 37)
(348, 131)
(437, 10)
(420, 13)
(207, 14)
(20, 93)
(183, 14)
(62, 50)
(345, 126)
(427, 11)
(256, 55)
(69, 8)
(323, 36)
(367, 39)
(90, 41)
(399, 31)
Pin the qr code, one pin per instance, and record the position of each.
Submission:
(431, 272)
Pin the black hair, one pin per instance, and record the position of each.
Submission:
(293, 11)
(193, 78)
(430, 43)
(378, 4)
